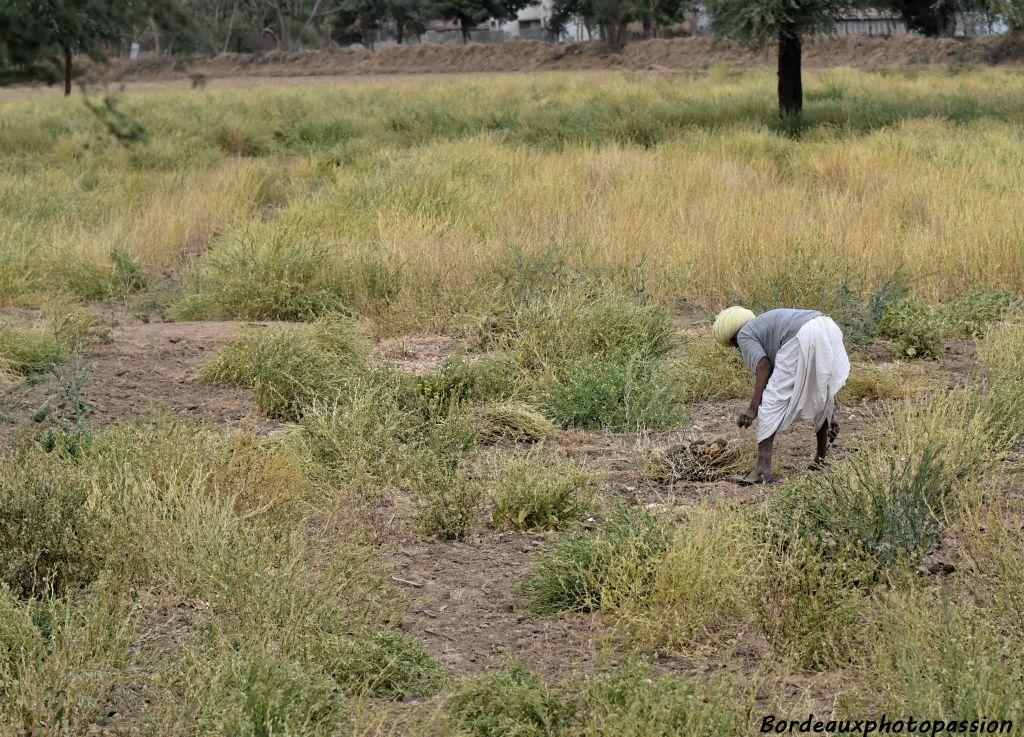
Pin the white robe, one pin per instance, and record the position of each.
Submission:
(809, 371)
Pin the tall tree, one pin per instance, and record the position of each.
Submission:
(40, 38)
(612, 17)
(786, 22)
(468, 13)
(408, 17)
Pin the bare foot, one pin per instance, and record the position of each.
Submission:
(754, 477)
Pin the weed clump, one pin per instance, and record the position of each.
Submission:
(915, 328)
(291, 366)
(279, 275)
(532, 492)
(51, 536)
(507, 702)
(617, 393)
(627, 700)
(25, 352)
(582, 570)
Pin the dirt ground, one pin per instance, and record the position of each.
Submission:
(420, 60)
(461, 598)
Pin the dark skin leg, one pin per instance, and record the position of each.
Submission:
(746, 418)
(763, 471)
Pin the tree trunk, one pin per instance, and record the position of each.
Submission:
(791, 90)
(399, 31)
(466, 29)
(67, 71)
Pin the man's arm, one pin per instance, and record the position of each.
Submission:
(764, 372)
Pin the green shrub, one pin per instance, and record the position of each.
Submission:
(583, 568)
(914, 327)
(550, 332)
(971, 315)
(631, 702)
(435, 469)
(491, 377)
(507, 703)
(887, 511)
(534, 492)
(51, 535)
(264, 694)
(291, 366)
(618, 393)
(25, 352)
(354, 436)
(811, 605)
(383, 663)
(273, 275)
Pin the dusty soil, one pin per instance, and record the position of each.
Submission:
(527, 56)
(462, 601)
(659, 55)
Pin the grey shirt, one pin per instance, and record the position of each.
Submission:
(763, 336)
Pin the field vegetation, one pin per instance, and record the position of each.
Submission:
(165, 575)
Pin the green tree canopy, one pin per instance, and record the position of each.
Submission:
(468, 13)
(40, 38)
(786, 22)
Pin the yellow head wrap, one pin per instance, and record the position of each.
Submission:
(729, 322)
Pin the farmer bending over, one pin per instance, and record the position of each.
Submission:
(799, 364)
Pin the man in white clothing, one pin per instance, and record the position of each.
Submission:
(799, 365)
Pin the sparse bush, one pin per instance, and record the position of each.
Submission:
(507, 703)
(291, 366)
(581, 570)
(113, 275)
(435, 468)
(51, 536)
(606, 324)
(491, 377)
(931, 654)
(267, 693)
(631, 702)
(868, 383)
(706, 371)
(810, 605)
(382, 663)
(702, 583)
(534, 492)
(354, 437)
(914, 327)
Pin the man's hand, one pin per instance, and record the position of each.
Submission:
(746, 417)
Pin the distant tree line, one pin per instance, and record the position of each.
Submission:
(39, 39)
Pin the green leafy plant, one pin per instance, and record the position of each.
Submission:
(505, 703)
(582, 568)
(534, 492)
(914, 327)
